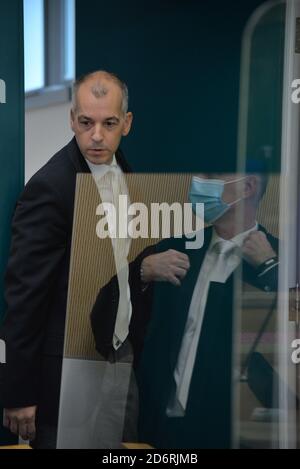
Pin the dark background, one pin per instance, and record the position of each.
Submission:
(181, 61)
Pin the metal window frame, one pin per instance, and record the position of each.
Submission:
(288, 329)
(57, 90)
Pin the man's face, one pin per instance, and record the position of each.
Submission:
(99, 123)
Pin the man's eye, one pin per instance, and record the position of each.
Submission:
(85, 123)
(110, 124)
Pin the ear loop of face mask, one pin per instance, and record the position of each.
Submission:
(235, 180)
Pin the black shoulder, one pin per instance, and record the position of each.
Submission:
(54, 182)
(272, 239)
(56, 170)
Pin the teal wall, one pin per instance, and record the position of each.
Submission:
(11, 122)
(181, 60)
(11, 131)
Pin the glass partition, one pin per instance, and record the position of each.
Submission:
(264, 379)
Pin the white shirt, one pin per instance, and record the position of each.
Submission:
(111, 183)
(98, 170)
(221, 259)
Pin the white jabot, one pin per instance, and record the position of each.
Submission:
(98, 170)
(111, 184)
(221, 259)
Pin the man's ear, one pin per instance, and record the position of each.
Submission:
(72, 119)
(251, 186)
(127, 123)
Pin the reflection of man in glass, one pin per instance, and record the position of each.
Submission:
(184, 369)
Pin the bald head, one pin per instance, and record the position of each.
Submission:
(99, 84)
(99, 117)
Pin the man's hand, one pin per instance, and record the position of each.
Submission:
(21, 421)
(257, 249)
(169, 266)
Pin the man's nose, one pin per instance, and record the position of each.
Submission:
(97, 134)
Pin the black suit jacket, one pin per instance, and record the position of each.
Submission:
(207, 419)
(36, 284)
(103, 315)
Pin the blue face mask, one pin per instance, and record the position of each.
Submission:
(209, 192)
